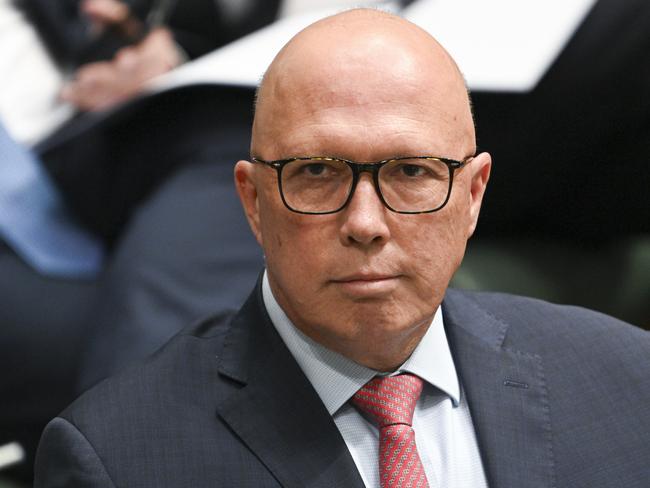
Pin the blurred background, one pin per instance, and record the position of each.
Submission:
(120, 122)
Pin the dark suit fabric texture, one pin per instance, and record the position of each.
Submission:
(41, 319)
(163, 196)
(559, 396)
(186, 253)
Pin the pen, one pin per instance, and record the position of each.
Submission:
(159, 14)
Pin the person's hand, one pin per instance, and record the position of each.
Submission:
(100, 85)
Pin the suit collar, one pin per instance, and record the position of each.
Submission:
(507, 395)
(278, 414)
(275, 411)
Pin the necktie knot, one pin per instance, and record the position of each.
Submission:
(389, 400)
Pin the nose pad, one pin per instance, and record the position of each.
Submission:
(366, 189)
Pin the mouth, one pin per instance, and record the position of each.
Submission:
(366, 285)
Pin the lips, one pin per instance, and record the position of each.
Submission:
(365, 277)
(367, 285)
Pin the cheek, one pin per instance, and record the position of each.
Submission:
(293, 246)
(435, 249)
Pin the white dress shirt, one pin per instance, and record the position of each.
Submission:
(443, 427)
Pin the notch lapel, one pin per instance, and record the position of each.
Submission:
(507, 397)
(276, 412)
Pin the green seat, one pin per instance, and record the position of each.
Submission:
(10, 484)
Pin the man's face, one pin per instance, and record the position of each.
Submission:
(364, 275)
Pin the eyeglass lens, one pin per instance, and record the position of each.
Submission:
(406, 185)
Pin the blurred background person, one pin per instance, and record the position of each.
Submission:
(96, 60)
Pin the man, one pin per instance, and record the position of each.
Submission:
(353, 312)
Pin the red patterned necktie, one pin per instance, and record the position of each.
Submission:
(389, 402)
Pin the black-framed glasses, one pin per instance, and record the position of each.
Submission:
(324, 185)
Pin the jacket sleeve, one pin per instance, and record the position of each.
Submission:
(66, 459)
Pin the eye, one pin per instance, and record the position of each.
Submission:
(412, 170)
(315, 169)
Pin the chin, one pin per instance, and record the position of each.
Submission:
(382, 317)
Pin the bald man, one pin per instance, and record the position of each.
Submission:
(352, 364)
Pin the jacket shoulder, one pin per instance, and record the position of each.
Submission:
(182, 363)
(541, 327)
(589, 376)
(153, 408)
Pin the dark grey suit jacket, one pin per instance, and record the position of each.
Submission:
(559, 396)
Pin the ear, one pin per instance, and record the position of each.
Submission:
(480, 173)
(246, 184)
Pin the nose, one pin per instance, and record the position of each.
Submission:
(364, 218)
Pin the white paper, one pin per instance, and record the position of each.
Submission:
(11, 454)
(244, 61)
(500, 45)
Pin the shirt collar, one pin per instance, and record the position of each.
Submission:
(336, 378)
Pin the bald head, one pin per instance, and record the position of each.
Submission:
(360, 58)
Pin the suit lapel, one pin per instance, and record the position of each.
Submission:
(279, 416)
(276, 412)
(507, 397)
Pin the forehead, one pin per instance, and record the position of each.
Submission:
(364, 126)
(366, 136)
(371, 95)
